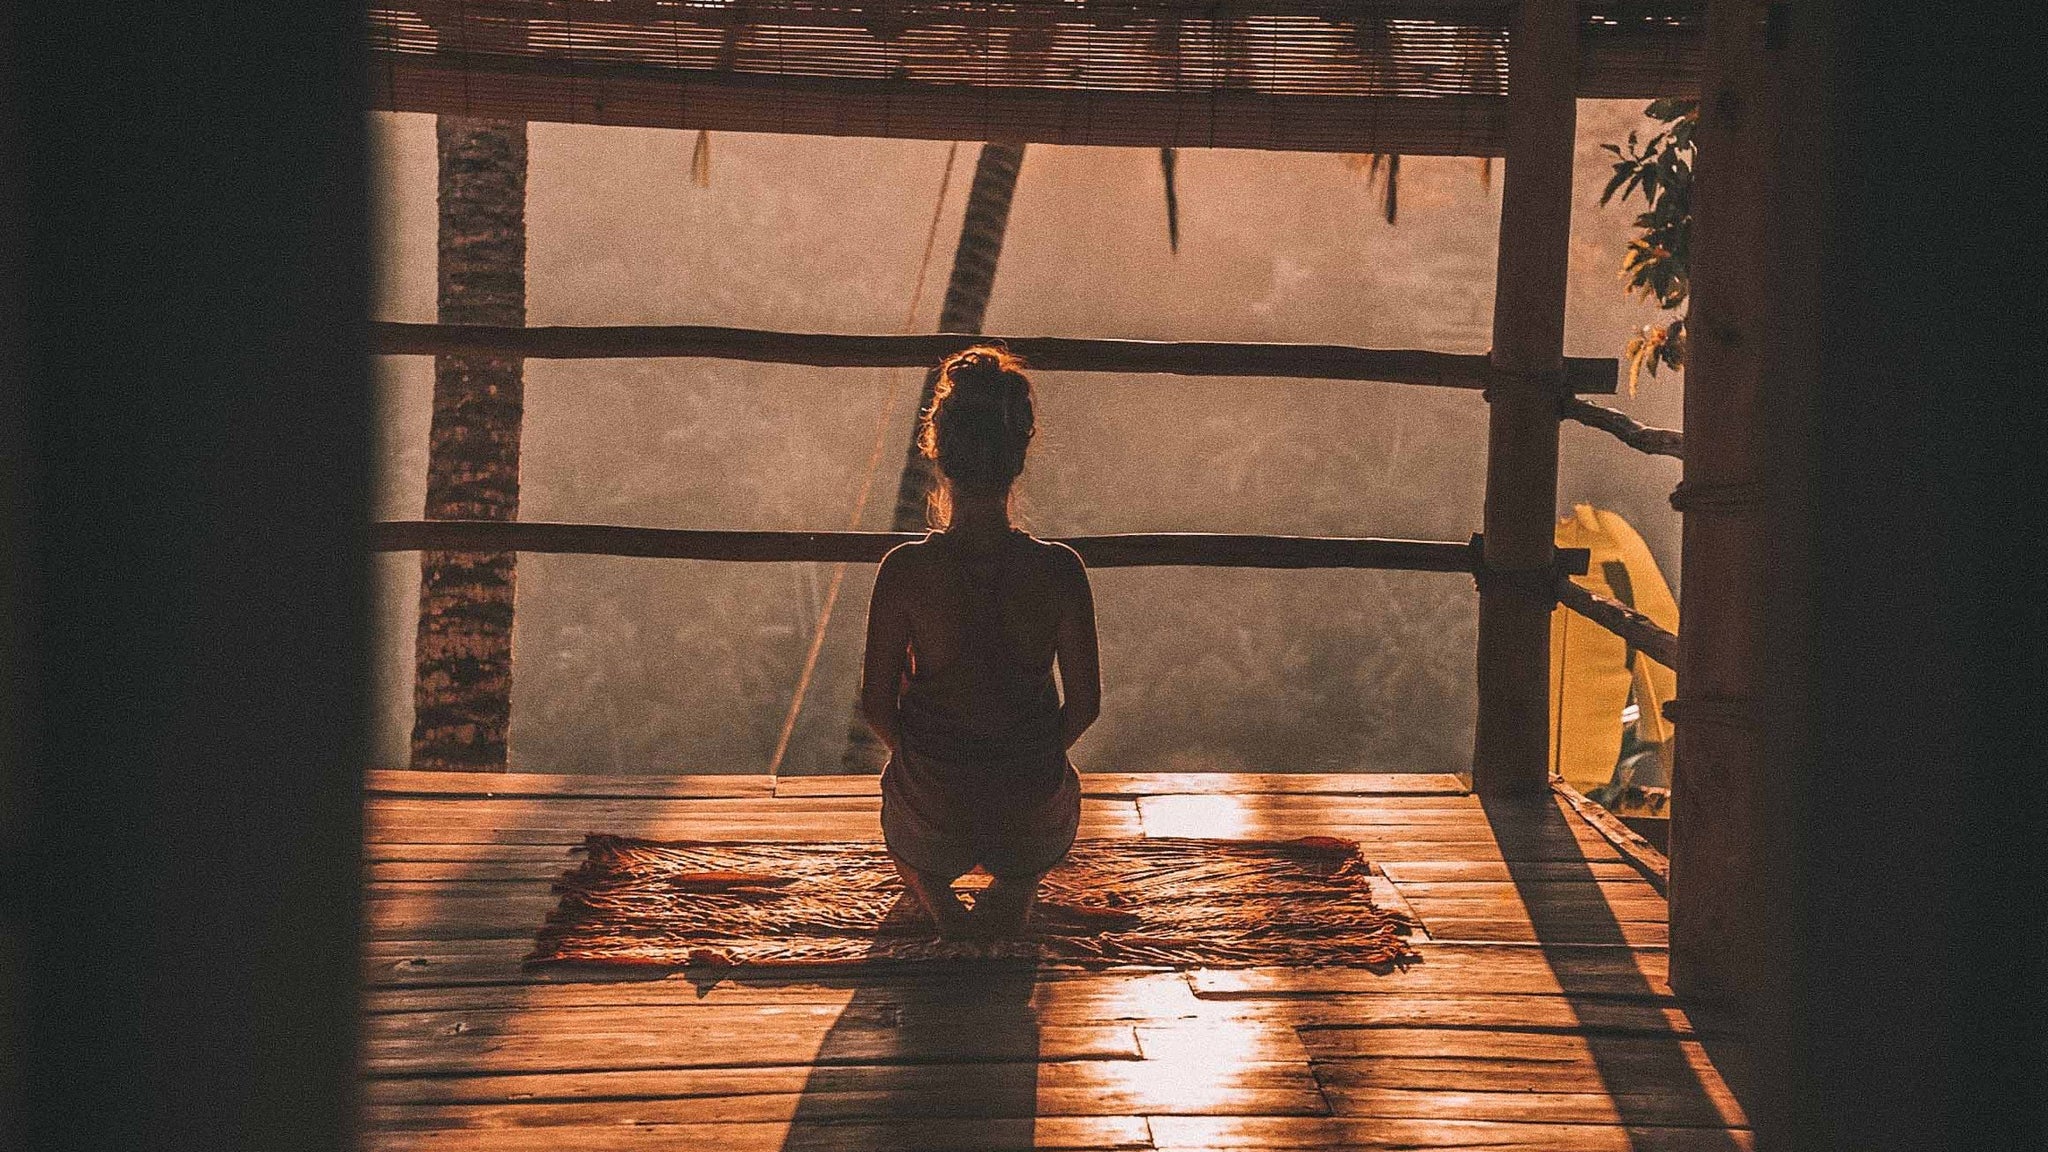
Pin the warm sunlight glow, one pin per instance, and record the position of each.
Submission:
(1210, 1064)
(1220, 817)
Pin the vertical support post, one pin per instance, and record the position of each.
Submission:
(1510, 753)
(1749, 359)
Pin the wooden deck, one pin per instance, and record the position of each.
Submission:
(1538, 1017)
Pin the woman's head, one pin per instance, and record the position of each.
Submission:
(979, 425)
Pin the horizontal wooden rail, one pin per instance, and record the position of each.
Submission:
(1625, 428)
(593, 91)
(1654, 865)
(1137, 550)
(1054, 353)
(1639, 630)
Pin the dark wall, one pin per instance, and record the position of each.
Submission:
(1900, 885)
(188, 418)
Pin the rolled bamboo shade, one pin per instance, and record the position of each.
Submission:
(1421, 77)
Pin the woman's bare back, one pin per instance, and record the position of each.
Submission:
(986, 598)
(958, 588)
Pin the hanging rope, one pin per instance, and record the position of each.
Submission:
(884, 421)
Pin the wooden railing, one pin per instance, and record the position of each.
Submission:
(1625, 428)
(1134, 550)
(1639, 630)
(1577, 375)
(1053, 353)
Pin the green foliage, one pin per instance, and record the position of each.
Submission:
(1659, 259)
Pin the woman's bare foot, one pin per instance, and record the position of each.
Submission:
(947, 913)
(1005, 904)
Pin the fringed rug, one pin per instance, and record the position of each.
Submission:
(1173, 902)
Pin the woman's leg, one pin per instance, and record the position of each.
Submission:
(1034, 844)
(935, 892)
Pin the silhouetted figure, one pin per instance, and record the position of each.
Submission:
(963, 632)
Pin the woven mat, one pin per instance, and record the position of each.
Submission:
(1174, 902)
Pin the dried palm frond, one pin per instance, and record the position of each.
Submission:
(700, 160)
(1168, 160)
(1371, 166)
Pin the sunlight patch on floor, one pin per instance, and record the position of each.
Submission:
(1215, 817)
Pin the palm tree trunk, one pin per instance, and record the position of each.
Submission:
(965, 308)
(462, 690)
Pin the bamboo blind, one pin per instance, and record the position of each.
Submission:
(1415, 76)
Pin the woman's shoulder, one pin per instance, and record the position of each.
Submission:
(909, 559)
(1053, 556)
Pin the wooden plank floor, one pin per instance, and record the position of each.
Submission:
(1537, 1018)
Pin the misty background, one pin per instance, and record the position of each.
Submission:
(660, 666)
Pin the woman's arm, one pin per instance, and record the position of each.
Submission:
(1074, 647)
(888, 649)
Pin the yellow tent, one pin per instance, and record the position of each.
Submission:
(1593, 672)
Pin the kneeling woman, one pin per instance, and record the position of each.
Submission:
(963, 632)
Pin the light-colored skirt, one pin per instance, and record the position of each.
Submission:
(945, 819)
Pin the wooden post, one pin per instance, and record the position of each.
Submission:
(1515, 583)
(1737, 370)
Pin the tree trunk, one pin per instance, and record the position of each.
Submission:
(462, 691)
(965, 309)
(966, 306)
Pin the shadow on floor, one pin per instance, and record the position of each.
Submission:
(1647, 1071)
(934, 1047)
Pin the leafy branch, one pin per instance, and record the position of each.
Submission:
(1659, 258)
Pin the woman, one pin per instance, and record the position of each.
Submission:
(964, 630)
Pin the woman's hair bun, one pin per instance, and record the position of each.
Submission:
(980, 422)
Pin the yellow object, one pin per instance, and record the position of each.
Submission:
(1592, 671)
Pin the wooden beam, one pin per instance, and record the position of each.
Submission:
(1640, 853)
(1587, 374)
(1135, 550)
(1640, 56)
(1641, 59)
(589, 91)
(1516, 589)
(1639, 630)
